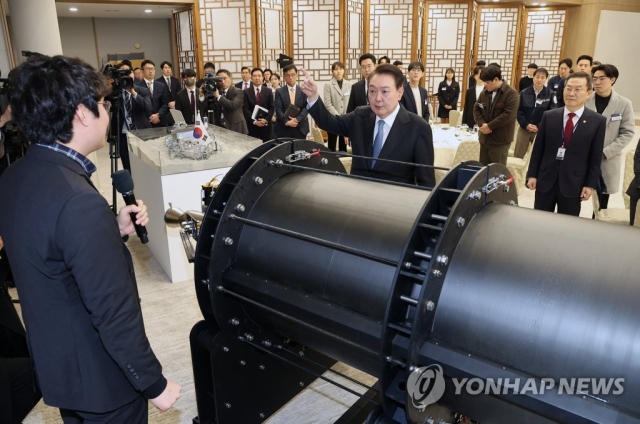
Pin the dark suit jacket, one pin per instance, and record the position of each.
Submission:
(174, 89)
(358, 96)
(183, 104)
(469, 102)
(634, 188)
(447, 95)
(581, 164)
(267, 102)
(409, 102)
(409, 140)
(241, 83)
(159, 101)
(532, 108)
(282, 102)
(140, 111)
(77, 287)
(231, 104)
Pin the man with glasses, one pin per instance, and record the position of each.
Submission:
(618, 111)
(290, 94)
(565, 160)
(584, 64)
(136, 107)
(414, 98)
(159, 95)
(75, 276)
(359, 95)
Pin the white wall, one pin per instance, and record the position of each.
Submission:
(5, 64)
(116, 36)
(617, 43)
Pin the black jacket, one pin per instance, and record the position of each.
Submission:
(410, 140)
(634, 188)
(409, 101)
(469, 101)
(282, 102)
(140, 111)
(174, 89)
(77, 287)
(531, 107)
(358, 96)
(447, 95)
(183, 104)
(159, 101)
(581, 164)
(267, 102)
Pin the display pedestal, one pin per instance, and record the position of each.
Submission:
(160, 180)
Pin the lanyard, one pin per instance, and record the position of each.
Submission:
(565, 141)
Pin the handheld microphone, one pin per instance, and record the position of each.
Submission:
(123, 182)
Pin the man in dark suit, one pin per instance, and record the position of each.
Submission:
(191, 100)
(229, 102)
(565, 160)
(382, 130)
(359, 90)
(260, 95)
(134, 111)
(471, 96)
(291, 126)
(79, 298)
(245, 73)
(159, 95)
(414, 95)
(473, 81)
(172, 83)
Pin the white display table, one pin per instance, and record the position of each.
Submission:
(160, 180)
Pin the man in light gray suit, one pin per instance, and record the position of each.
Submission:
(336, 99)
(229, 102)
(620, 126)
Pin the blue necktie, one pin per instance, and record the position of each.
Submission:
(377, 143)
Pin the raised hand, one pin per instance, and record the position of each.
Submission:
(309, 86)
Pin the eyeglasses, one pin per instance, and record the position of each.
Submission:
(599, 79)
(106, 104)
(149, 68)
(573, 90)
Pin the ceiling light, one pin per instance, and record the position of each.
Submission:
(534, 4)
(495, 1)
(73, 9)
(147, 11)
(543, 5)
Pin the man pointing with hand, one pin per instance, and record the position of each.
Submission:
(382, 130)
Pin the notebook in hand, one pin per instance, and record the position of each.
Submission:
(259, 113)
(292, 111)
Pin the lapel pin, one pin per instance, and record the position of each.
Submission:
(584, 122)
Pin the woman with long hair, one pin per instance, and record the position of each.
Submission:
(448, 94)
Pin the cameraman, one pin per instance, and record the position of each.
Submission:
(75, 276)
(229, 101)
(134, 107)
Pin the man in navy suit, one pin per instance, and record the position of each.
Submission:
(258, 94)
(159, 95)
(172, 83)
(382, 130)
(359, 90)
(75, 276)
(245, 73)
(291, 126)
(565, 160)
(414, 95)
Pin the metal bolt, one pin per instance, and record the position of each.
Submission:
(267, 343)
(205, 281)
(213, 235)
(301, 384)
(261, 415)
(242, 362)
(430, 306)
(279, 162)
(240, 207)
(407, 265)
(301, 353)
(443, 259)
(474, 195)
(234, 321)
(249, 337)
(262, 367)
(461, 222)
(228, 405)
(324, 161)
(437, 273)
(258, 180)
(421, 407)
(225, 349)
(506, 189)
(228, 241)
(389, 359)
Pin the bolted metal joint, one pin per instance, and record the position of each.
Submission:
(443, 259)
(324, 161)
(430, 305)
(240, 207)
(258, 180)
(228, 241)
(234, 321)
(461, 221)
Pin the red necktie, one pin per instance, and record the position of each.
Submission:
(245, 86)
(568, 129)
(193, 105)
(258, 95)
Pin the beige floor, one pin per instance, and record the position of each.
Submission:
(170, 310)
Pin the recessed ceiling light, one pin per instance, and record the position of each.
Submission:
(73, 9)
(148, 11)
(495, 1)
(534, 4)
(543, 4)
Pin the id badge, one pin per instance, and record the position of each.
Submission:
(560, 154)
(346, 93)
(616, 117)
(538, 101)
(129, 121)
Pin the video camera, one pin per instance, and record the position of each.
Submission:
(210, 84)
(121, 77)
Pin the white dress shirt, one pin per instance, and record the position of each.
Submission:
(576, 118)
(388, 123)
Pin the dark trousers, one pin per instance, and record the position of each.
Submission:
(123, 147)
(604, 200)
(135, 412)
(633, 204)
(18, 389)
(494, 153)
(332, 138)
(263, 133)
(548, 201)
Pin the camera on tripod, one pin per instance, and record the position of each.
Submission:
(210, 85)
(121, 77)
